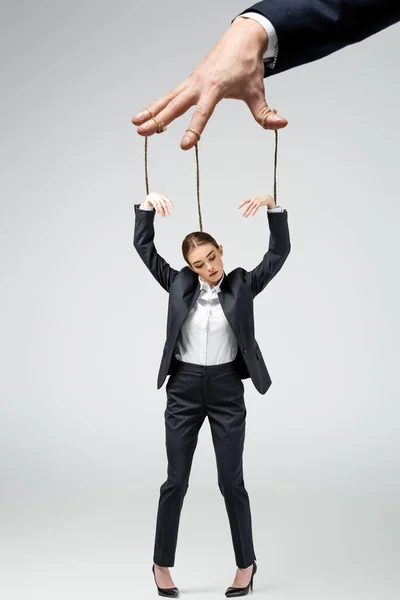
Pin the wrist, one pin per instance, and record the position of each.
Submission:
(269, 201)
(255, 31)
(147, 204)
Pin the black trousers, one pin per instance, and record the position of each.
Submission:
(194, 392)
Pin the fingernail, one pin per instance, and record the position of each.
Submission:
(186, 140)
(139, 116)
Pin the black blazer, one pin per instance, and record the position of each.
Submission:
(310, 29)
(238, 289)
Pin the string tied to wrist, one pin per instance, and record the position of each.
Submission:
(161, 128)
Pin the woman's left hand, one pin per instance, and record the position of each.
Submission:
(253, 204)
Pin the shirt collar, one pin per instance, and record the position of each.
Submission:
(216, 289)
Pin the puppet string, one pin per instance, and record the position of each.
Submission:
(198, 173)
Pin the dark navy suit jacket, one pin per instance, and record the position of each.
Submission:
(238, 289)
(310, 29)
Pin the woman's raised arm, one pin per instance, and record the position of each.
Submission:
(279, 242)
(143, 238)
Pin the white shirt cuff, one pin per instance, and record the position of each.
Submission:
(270, 54)
(276, 209)
(144, 208)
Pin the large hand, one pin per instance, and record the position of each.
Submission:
(233, 68)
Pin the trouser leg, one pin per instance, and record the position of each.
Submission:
(227, 416)
(184, 415)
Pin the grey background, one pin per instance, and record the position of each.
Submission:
(83, 322)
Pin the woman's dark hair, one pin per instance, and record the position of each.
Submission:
(194, 239)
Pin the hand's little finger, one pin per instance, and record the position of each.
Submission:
(158, 104)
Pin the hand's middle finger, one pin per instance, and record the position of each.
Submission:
(248, 207)
(205, 108)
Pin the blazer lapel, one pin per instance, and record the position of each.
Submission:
(183, 300)
(227, 300)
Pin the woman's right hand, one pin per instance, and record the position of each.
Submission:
(159, 203)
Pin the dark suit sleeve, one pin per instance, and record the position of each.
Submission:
(310, 29)
(143, 242)
(278, 251)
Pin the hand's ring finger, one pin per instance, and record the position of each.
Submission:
(158, 207)
(159, 104)
(160, 125)
(255, 209)
(165, 207)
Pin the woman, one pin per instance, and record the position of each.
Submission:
(210, 348)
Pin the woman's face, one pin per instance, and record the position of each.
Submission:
(206, 261)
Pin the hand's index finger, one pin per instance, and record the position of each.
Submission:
(243, 203)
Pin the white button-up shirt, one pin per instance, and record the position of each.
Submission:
(206, 338)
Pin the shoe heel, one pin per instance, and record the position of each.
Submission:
(166, 592)
(235, 591)
(252, 575)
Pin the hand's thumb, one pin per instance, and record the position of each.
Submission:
(266, 117)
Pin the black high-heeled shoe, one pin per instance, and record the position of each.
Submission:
(168, 592)
(231, 592)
